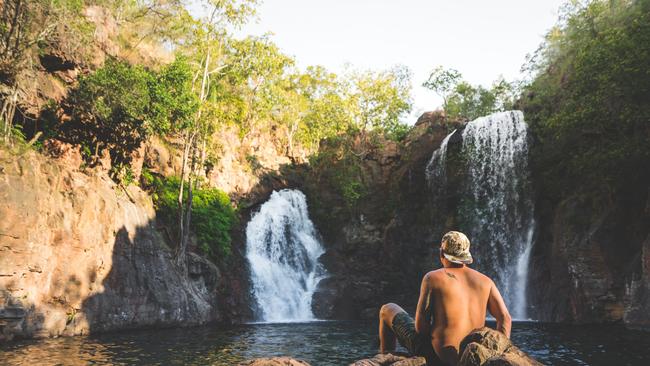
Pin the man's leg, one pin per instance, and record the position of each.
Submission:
(387, 340)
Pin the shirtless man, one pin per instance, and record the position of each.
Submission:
(453, 301)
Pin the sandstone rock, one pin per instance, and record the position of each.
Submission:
(486, 346)
(67, 154)
(106, 28)
(476, 354)
(274, 361)
(511, 359)
(137, 160)
(388, 359)
(80, 254)
(487, 338)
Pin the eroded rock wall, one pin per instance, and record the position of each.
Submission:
(80, 254)
(591, 261)
(379, 250)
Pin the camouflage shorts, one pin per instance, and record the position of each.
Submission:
(416, 344)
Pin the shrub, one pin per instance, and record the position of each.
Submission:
(212, 215)
(120, 106)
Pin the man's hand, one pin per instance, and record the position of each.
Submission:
(497, 307)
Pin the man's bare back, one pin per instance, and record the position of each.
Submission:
(453, 301)
(457, 299)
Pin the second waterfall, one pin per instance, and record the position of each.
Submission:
(282, 248)
(496, 206)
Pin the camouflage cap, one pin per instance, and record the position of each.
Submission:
(455, 248)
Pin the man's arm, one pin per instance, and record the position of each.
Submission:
(497, 307)
(423, 311)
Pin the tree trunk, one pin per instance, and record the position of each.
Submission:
(180, 251)
(185, 216)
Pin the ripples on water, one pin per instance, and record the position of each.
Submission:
(320, 343)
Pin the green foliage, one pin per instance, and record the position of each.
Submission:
(443, 82)
(589, 101)
(123, 173)
(173, 104)
(379, 99)
(340, 167)
(28, 27)
(119, 106)
(466, 101)
(147, 178)
(212, 215)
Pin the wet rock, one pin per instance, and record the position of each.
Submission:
(274, 361)
(388, 359)
(511, 359)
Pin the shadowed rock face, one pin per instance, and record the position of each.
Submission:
(79, 254)
(378, 251)
(592, 261)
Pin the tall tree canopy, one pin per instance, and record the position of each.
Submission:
(588, 101)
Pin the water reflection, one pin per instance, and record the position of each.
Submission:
(322, 344)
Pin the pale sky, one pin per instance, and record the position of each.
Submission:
(482, 39)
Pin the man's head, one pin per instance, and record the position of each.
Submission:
(455, 248)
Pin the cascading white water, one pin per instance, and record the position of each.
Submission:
(436, 170)
(496, 210)
(498, 201)
(282, 249)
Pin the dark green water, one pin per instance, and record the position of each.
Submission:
(322, 343)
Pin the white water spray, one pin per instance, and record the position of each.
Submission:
(282, 249)
(436, 170)
(498, 201)
(496, 209)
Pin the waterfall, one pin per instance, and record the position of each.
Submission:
(436, 170)
(496, 209)
(498, 201)
(282, 248)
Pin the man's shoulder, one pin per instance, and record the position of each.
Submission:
(480, 276)
(432, 275)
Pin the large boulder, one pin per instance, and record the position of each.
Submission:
(485, 346)
(274, 361)
(389, 359)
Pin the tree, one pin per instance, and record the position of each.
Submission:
(379, 99)
(443, 82)
(260, 74)
(27, 28)
(588, 100)
(329, 112)
(210, 63)
(119, 106)
(464, 100)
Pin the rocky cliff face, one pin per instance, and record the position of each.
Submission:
(379, 250)
(80, 254)
(590, 262)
